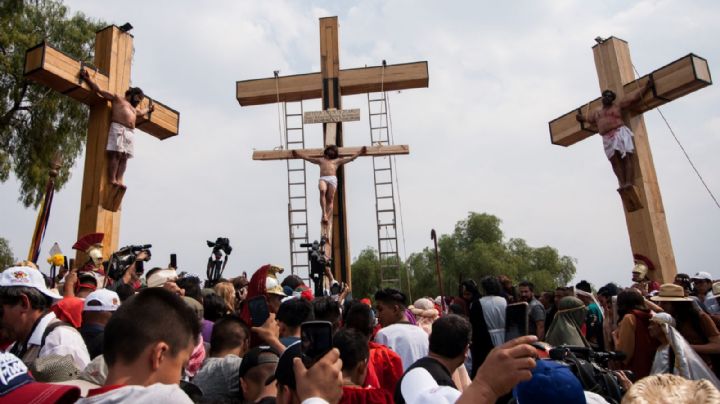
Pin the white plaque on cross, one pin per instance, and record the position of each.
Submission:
(332, 115)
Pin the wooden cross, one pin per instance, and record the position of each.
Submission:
(330, 84)
(99, 206)
(645, 217)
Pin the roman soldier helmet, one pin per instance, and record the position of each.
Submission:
(91, 244)
(642, 265)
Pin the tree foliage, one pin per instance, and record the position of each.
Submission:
(366, 275)
(476, 248)
(35, 121)
(7, 259)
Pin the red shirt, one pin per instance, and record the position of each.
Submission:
(384, 368)
(365, 395)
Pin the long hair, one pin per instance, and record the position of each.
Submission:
(227, 292)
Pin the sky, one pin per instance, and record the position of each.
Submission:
(478, 136)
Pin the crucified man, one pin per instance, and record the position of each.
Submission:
(120, 145)
(328, 163)
(617, 138)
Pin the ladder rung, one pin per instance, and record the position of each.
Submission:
(384, 197)
(297, 197)
(293, 128)
(383, 169)
(378, 113)
(295, 142)
(383, 183)
(293, 114)
(387, 238)
(296, 183)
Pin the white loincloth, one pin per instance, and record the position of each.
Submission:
(121, 139)
(330, 180)
(620, 139)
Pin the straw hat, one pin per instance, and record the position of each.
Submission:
(668, 388)
(671, 293)
(716, 289)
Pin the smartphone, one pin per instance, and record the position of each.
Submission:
(516, 320)
(259, 311)
(173, 261)
(316, 341)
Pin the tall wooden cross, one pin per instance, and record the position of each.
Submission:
(645, 217)
(330, 84)
(99, 206)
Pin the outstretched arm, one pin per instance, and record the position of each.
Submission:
(93, 85)
(348, 159)
(636, 96)
(587, 119)
(302, 155)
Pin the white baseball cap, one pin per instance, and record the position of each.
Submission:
(27, 277)
(702, 276)
(102, 300)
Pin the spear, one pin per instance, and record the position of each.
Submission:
(433, 237)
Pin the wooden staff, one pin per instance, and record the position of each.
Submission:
(433, 236)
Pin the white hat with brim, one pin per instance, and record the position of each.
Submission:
(670, 292)
(26, 277)
(704, 276)
(158, 278)
(419, 387)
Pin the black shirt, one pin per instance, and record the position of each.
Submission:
(436, 369)
(93, 334)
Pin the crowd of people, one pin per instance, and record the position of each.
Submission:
(170, 337)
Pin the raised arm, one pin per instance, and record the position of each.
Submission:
(93, 85)
(635, 97)
(302, 155)
(144, 111)
(348, 159)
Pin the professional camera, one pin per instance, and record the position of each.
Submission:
(121, 260)
(590, 367)
(318, 262)
(221, 244)
(216, 265)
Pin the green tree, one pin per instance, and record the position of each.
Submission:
(366, 275)
(7, 259)
(35, 121)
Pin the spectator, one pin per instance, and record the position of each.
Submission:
(217, 377)
(325, 308)
(290, 316)
(560, 292)
(632, 336)
(26, 314)
(384, 365)
(425, 313)
(354, 353)
(694, 325)
(671, 389)
(702, 284)
(674, 355)
(147, 342)
(99, 307)
(482, 342)
(258, 366)
(449, 344)
(264, 282)
(547, 299)
(536, 309)
(594, 319)
(213, 310)
(192, 287)
(508, 291)
(409, 341)
(566, 328)
(684, 281)
(241, 290)
(606, 295)
(493, 308)
(226, 291)
(295, 384)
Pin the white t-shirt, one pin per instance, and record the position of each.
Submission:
(157, 393)
(61, 341)
(407, 340)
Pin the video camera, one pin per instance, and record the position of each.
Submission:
(590, 367)
(318, 262)
(216, 266)
(221, 244)
(121, 260)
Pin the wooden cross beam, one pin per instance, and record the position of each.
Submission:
(647, 227)
(47, 65)
(330, 85)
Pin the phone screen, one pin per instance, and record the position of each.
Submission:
(516, 320)
(173, 261)
(259, 311)
(316, 340)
